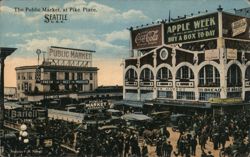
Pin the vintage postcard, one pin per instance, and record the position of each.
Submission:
(85, 78)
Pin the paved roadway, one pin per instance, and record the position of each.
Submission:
(174, 137)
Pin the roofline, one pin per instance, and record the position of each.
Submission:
(72, 49)
(233, 14)
(35, 66)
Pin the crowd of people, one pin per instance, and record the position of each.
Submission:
(124, 140)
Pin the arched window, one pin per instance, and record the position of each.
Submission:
(131, 75)
(209, 76)
(164, 74)
(146, 74)
(185, 73)
(247, 74)
(234, 76)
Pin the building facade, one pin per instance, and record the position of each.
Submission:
(199, 59)
(65, 71)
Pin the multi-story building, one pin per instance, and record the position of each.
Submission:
(203, 59)
(65, 71)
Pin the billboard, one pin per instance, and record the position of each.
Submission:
(192, 29)
(147, 37)
(236, 26)
(58, 53)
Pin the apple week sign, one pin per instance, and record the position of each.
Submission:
(192, 29)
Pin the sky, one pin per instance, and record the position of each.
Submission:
(103, 29)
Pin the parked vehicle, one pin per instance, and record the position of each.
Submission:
(180, 122)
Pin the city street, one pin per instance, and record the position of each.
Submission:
(174, 138)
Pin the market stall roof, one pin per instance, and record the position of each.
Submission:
(112, 110)
(136, 117)
(130, 103)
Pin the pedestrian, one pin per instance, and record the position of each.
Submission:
(193, 144)
(165, 148)
(169, 149)
(144, 150)
(210, 154)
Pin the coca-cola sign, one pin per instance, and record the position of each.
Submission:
(147, 37)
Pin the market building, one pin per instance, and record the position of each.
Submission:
(199, 60)
(64, 73)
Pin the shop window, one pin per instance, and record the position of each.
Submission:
(209, 76)
(18, 76)
(131, 75)
(146, 75)
(234, 76)
(79, 87)
(66, 76)
(165, 94)
(234, 94)
(185, 95)
(205, 96)
(90, 76)
(164, 74)
(90, 86)
(30, 76)
(184, 73)
(79, 76)
(247, 75)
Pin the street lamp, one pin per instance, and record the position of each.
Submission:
(38, 52)
(23, 135)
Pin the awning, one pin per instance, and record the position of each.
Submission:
(136, 117)
(130, 103)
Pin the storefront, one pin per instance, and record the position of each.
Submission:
(194, 60)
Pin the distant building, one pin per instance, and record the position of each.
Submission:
(243, 12)
(201, 60)
(64, 72)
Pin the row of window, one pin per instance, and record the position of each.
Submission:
(25, 76)
(54, 76)
(185, 95)
(27, 87)
(78, 87)
(208, 75)
(204, 96)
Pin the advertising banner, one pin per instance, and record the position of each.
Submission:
(236, 26)
(147, 37)
(193, 29)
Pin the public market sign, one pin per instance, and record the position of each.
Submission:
(96, 104)
(198, 28)
(57, 53)
(147, 37)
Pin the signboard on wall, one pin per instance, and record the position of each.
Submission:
(231, 54)
(64, 81)
(235, 26)
(212, 54)
(192, 29)
(58, 53)
(147, 37)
